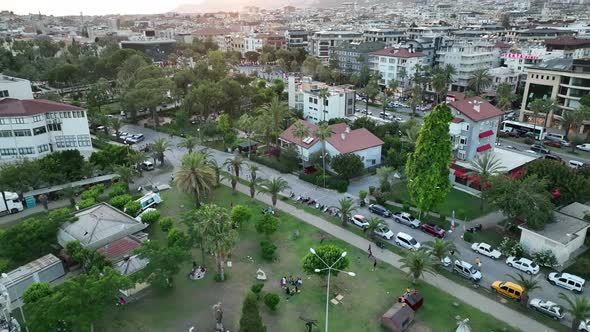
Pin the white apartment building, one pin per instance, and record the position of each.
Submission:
(388, 36)
(304, 95)
(17, 88)
(392, 63)
(34, 128)
(503, 75)
(321, 43)
(465, 58)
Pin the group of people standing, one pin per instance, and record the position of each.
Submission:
(295, 283)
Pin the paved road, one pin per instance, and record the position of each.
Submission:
(582, 155)
(491, 270)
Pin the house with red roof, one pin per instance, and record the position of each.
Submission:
(343, 140)
(390, 62)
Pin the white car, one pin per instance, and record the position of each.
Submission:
(523, 264)
(584, 147)
(486, 250)
(584, 326)
(406, 241)
(359, 220)
(548, 308)
(384, 231)
(406, 219)
(399, 119)
(567, 281)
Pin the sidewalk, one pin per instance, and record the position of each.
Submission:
(465, 294)
(11, 218)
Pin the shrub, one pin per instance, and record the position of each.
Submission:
(332, 182)
(217, 277)
(468, 237)
(4, 264)
(379, 197)
(118, 189)
(166, 224)
(274, 163)
(268, 250)
(267, 225)
(362, 195)
(90, 193)
(150, 217)
(406, 208)
(371, 190)
(86, 203)
(529, 140)
(132, 208)
(120, 201)
(240, 214)
(98, 188)
(272, 301)
(256, 289)
(545, 258)
(251, 321)
(442, 218)
(510, 247)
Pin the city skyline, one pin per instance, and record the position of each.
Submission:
(105, 7)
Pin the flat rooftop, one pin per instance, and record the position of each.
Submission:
(563, 229)
(509, 159)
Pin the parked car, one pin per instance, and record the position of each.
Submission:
(567, 281)
(384, 231)
(523, 264)
(555, 144)
(548, 308)
(540, 149)
(380, 210)
(399, 119)
(359, 220)
(406, 219)
(553, 157)
(555, 137)
(575, 164)
(466, 270)
(508, 289)
(147, 165)
(584, 147)
(433, 230)
(486, 250)
(406, 241)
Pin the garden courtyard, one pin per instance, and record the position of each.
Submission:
(365, 297)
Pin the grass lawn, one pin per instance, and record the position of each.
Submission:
(366, 296)
(464, 205)
(112, 108)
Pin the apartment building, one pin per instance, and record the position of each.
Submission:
(17, 88)
(348, 55)
(388, 36)
(564, 80)
(503, 75)
(395, 64)
(572, 47)
(322, 42)
(304, 95)
(296, 38)
(34, 128)
(474, 127)
(465, 58)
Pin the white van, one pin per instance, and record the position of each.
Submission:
(150, 199)
(555, 137)
(147, 165)
(466, 270)
(406, 241)
(575, 164)
(567, 281)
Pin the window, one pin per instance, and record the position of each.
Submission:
(4, 93)
(4, 121)
(5, 133)
(27, 150)
(78, 114)
(54, 127)
(43, 148)
(315, 101)
(8, 152)
(310, 100)
(39, 130)
(70, 141)
(22, 132)
(84, 140)
(59, 141)
(18, 120)
(463, 140)
(37, 118)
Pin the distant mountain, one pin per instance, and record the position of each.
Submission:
(235, 5)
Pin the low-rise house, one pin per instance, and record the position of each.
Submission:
(45, 269)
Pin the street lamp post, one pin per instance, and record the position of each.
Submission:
(329, 268)
(22, 313)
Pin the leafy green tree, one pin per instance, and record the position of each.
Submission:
(246, 124)
(347, 165)
(328, 254)
(417, 262)
(578, 308)
(301, 131)
(415, 98)
(479, 80)
(204, 98)
(70, 194)
(273, 187)
(528, 284)
(540, 106)
(525, 199)
(98, 94)
(278, 111)
(240, 214)
(251, 321)
(268, 224)
(150, 217)
(385, 176)
(573, 186)
(484, 166)
(109, 156)
(125, 173)
(196, 176)
(428, 167)
(37, 291)
(370, 91)
(182, 121)
(164, 263)
(88, 258)
(323, 133)
(504, 96)
(177, 238)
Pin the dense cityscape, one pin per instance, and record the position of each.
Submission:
(295, 166)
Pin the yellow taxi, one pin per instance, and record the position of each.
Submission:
(508, 289)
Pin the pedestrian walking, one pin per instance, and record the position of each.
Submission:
(374, 264)
(478, 262)
(370, 251)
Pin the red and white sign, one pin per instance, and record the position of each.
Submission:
(519, 56)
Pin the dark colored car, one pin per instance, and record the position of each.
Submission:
(539, 149)
(433, 230)
(380, 210)
(553, 157)
(555, 144)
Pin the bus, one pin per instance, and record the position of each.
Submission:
(522, 129)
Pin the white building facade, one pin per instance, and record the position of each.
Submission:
(465, 58)
(35, 128)
(304, 95)
(17, 88)
(321, 43)
(397, 64)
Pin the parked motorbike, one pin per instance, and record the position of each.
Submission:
(475, 229)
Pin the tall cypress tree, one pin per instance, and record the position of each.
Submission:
(251, 320)
(428, 167)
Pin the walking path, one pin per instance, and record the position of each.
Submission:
(11, 218)
(485, 304)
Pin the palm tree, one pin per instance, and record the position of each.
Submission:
(300, 131)
(324, 94)
(160, 146)
(232, 178)
(346, 208)
(440, 249)
(278, 110)
(384, 173)
(70, 193)
(439, 84)
(218, 234)
(578, 308)
(125, 173)
(254, 180)
(415, 98)
(504, 96)
(263, 126)
(116, 125)
(528, 285)
(418, 262)
(196, 176)
(274, 187)
(246, 124)
(323, 133)
(189, 143)
(135, 159)
(542, 106)
(479, 80)
(373, 225)
(484, 167)
(215, 166)
(234, 165)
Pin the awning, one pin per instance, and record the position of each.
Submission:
(486, 133)
(457, 120)
(484, 148)
(459, 173)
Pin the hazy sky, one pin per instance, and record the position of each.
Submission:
(92, 7)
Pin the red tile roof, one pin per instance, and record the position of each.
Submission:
(469, 107)
(288, 136)
(567, 41)
(457, 120)
(119, 248)
(486, 133)
(355, 140)
(398, 53)
(26, 107)
(483, 148)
